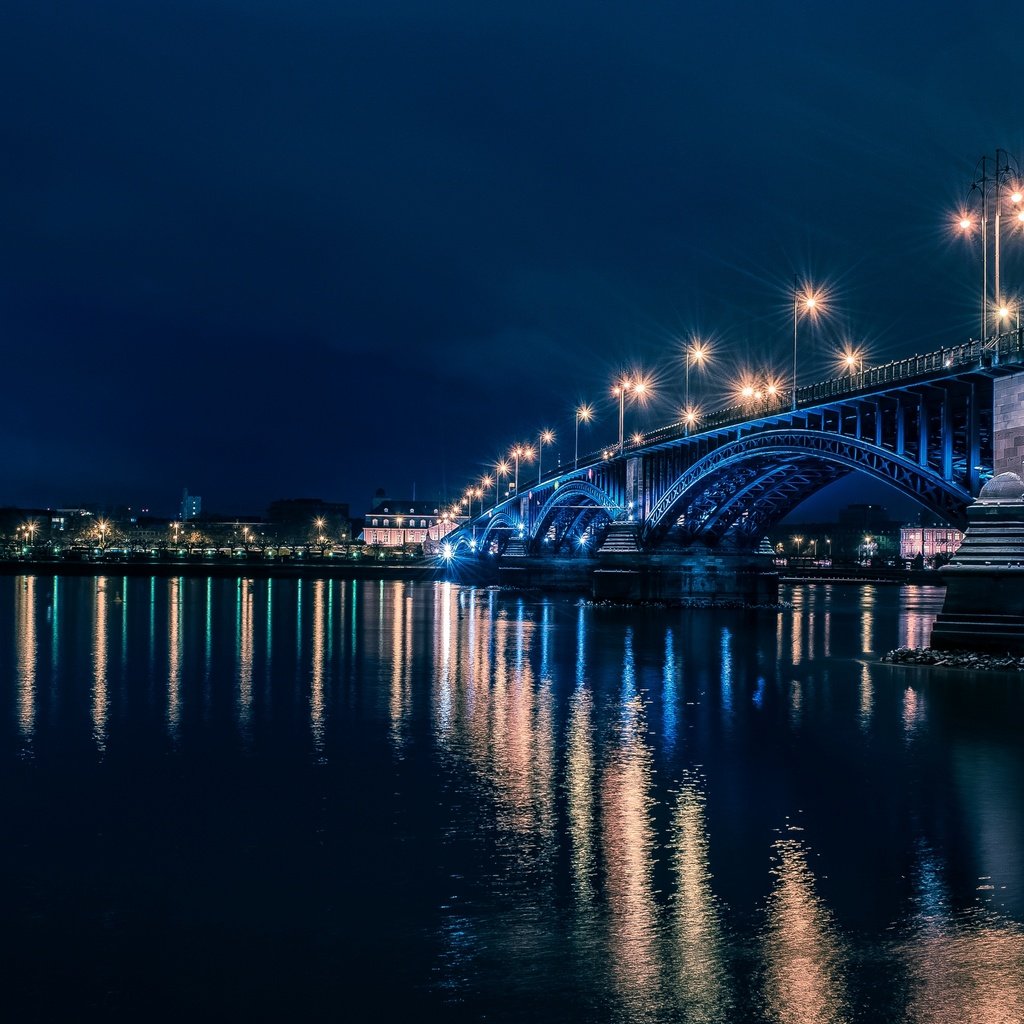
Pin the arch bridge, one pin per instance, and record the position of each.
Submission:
(932, 426)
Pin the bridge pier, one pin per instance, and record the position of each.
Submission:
(621, 572)
(984, 604)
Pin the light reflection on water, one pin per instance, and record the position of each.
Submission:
(803, 954)
(599, 806)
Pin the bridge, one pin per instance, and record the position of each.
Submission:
(932, 426)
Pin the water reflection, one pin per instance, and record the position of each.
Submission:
(866, 698)
(965, 968)
(25, 645)
(628, 842)
(703, 987)
(244, 667)
(100, 699)
(566, 799)
(580, 773)
(867, 618)
(175, 612)
(399, 685)
(317, 712)
(802, 951)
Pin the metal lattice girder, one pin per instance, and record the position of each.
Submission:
(571, 494)
(926, 486)
(771, 496)
(500, 520)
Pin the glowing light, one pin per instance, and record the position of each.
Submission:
(585, 413)
(1016, 196)
(547, 436)
(966, 223)
(1003, 312)
(637, 438)
(446, 552)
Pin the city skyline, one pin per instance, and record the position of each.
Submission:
(256, 250)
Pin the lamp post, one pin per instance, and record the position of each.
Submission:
(1005, 167)
(808, 301)
(695, 352)
(543, 438)
(502, 468)
(524, 452)
(638, 388)
(584, 413)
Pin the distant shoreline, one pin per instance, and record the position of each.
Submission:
(408, 569)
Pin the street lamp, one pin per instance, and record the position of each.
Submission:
(808, 302)
(1005, 167)
(638, 388)
(696, 352)
(543, 438)
(501, 469)
(1004, 314)
(584, 414)
(523, 452)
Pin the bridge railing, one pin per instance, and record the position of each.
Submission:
(1005, 348)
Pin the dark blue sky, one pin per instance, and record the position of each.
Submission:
(270, 249)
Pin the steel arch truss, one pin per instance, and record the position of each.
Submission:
(746, 485)
(571, 505)
(502, 520)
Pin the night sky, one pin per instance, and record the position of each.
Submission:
(265, 249)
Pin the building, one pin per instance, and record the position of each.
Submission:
(398, 522)
(932, 543)
(191, 506)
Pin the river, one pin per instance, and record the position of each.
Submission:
(407, 800)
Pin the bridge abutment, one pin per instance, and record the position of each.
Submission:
(984, 604)
(1007, 423)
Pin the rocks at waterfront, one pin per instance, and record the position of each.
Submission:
(955, 659)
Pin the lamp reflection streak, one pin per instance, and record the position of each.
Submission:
(965, 967)
(726, 677)
(867, 618)
(628, 846)
(802, 950)
(244, 619)
(174, 645)
(25, 643)
(317, 712)
(703, 987)
(100, 698)
(580, 774)
(867, 697)
(669, 694)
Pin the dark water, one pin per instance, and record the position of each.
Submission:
(399, 801)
